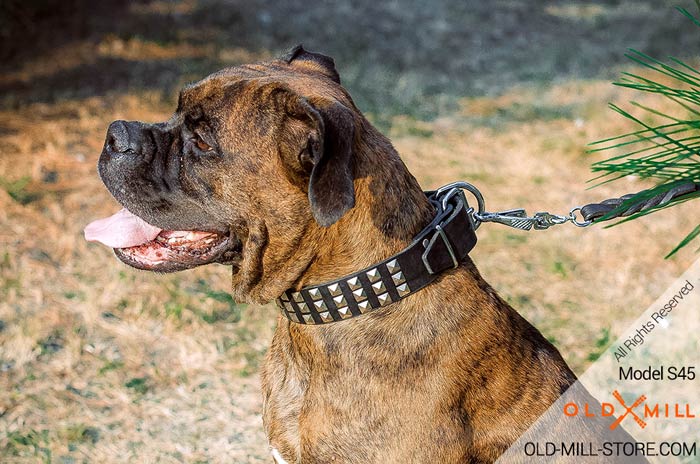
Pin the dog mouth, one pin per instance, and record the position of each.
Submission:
(147, 247)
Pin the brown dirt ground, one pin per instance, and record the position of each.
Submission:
(102, 363)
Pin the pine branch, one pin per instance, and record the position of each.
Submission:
(669, 153)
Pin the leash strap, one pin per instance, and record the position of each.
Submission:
(442, 245)
(605, 210)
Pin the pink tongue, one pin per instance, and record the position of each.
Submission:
(121, 230)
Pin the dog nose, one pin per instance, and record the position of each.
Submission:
(118, 138)
(132, 138)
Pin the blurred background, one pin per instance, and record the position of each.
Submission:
(103, 363)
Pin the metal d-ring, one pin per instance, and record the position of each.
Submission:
(453, 188)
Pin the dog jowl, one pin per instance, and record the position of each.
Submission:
(271, 169)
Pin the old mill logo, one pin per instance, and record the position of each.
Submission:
(639, 410)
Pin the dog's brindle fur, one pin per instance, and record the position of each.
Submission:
(313, 192)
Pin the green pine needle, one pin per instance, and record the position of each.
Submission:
(669, 153)
(690, 237)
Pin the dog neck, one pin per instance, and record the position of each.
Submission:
(390, 209)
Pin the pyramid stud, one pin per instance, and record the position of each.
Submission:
(320, 305)
(344, 312)
(373, 275)
(304, 308)
(393, 266)
(398, 278)
(360, 294)
(293, 317)
(340, 301)
(308, 319)
(379, 287)
(384, 299)
(403, 289)
(364, 306)
(297, 297)
(315, 293)
(326, 316)
(284, 298)
(354, 283)
(334, 289)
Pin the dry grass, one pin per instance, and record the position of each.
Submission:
(102, 363)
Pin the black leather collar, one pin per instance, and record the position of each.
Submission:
(442, 245)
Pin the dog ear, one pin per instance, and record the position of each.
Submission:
(323, 157)
(312, 61)
(331, 188)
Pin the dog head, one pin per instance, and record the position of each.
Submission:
(270, 142)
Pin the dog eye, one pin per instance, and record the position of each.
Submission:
(202, 145)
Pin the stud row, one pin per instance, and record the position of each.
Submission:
(359, 294)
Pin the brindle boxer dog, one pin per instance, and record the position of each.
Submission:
(272, 169)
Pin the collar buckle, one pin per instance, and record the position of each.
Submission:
(429, 244)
